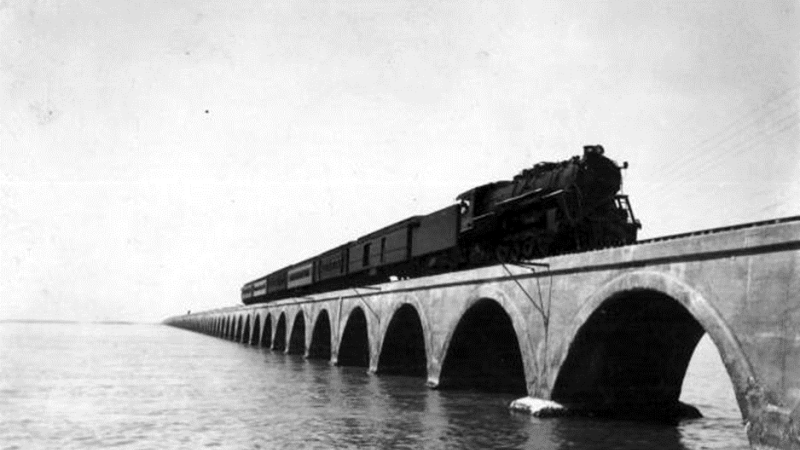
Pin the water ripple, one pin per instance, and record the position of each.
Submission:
(142, 387)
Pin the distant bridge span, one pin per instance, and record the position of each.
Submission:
(605, 331)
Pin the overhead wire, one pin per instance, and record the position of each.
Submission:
(738, 147)
(694, 161)
(690, 153)
(760, 135)
(691, 166)
(710, 154)
(754, 141)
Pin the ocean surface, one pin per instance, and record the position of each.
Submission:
(151, 386)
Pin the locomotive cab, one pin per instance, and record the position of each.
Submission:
(476, 205)
(466, 210)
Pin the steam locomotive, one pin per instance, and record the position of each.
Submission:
(548, 209)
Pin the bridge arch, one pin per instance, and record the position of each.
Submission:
(397, 303)
(229, 328)
(354, 349)
(483, 350)
(234, 326)
(246, 332)
(239, 329)
(279, 341)
(297, 338)
(255, 334)
(321, 337)
(629, 345)
(266, 332)
(403, 344)
(519, 324)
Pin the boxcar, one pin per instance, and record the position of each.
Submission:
(332, 264)
(387, 246)
(276, 282)
(436, 232)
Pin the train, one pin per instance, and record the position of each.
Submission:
(549, 209)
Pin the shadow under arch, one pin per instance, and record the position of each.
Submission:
(320, 347)
(244, 338)
(354, 346)
(266, 335)
(630, 346)
(403, 350)
(297, 340)
(484, 352)
(238, 331)
(255, 335)
(279, 343)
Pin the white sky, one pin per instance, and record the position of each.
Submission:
(121, 198)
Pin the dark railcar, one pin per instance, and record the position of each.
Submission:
(332, 264)
(434, 241)
(300, 274)
(388, 246)
(255, 291)
(259, 290)
(247, 293)
(276, 282)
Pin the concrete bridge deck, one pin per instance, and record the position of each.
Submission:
(604, 331)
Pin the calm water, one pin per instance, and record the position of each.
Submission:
(152, 386)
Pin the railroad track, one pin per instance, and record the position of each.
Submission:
(740, 226)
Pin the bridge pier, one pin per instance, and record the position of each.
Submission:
(609, 331)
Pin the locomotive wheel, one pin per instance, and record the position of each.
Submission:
(514, 252)
(477, 255)
(502, 252)
(530, 249)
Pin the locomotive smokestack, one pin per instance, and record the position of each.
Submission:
(593, 149)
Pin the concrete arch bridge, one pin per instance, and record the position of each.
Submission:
(606, 331)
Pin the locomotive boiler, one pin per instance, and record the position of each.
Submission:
(549, 209)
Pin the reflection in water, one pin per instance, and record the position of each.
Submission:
(157, 387)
